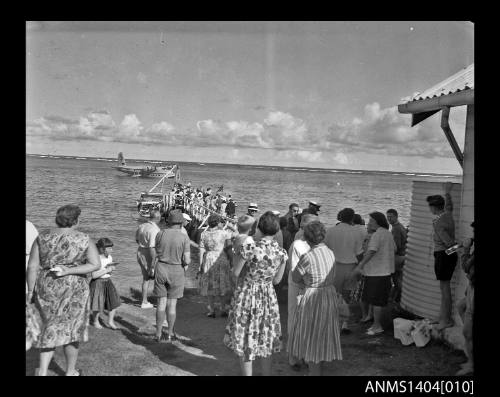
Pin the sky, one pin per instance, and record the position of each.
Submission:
(308, 94)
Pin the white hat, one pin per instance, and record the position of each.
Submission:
(276, 212)
(314, 203)
(186, 216)
(253, 206)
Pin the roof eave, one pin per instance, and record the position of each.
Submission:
(465, 97)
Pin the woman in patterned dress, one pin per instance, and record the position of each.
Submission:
(62, 294)
(254, 328)
(315, 335)
(215, 270)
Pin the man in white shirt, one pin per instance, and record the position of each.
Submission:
(346, 242)
(146, 254)
(31, 235)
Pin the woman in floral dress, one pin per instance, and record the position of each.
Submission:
(254, 328)
(65, 257)
(215, 270)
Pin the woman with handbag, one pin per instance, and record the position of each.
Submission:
(315, 335)
(65, 256)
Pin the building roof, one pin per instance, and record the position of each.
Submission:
(463, 80)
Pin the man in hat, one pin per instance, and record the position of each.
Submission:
(312, 209)
(173, 257)
(187, 219)
(252, 210)
(146, 254)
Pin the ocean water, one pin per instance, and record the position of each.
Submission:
(107, 197)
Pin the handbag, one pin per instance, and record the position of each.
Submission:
(343, 307)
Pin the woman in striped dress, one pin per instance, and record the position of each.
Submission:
(315, 336)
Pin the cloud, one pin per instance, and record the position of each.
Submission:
(377, 130)
(387, 131)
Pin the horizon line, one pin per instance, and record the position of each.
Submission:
(248, 165)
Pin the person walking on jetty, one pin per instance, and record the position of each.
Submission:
(292, 220)
(187, 220)
(252, 210)
(399, 234)
(313, 208)
(297, 249)
(173, 256)
(377, 265)
(253, 329)
(60, 260)
(145, 236)
(443, 236)
(103, 295)
(346, 242)
(230, 207)
(315, 331)
(215, 281)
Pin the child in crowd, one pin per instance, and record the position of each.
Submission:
(103, 295)
(244, 225)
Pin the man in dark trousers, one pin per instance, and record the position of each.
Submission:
(443, 236)
(230, 207)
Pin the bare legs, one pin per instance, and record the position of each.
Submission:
(111, 319)
(145, 285)
(45, 358)
(211, 304)
(171, 315)
(70, 353)
(222, 302)
(160, 315)
(96, 320)
(377, 315)
(366, 311)
(246, 366)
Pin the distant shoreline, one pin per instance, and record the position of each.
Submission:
(270, 167)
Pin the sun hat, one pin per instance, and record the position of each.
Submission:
(276, 213)
(175, 217)
(186, 216)
(253, 207)
(315, 203)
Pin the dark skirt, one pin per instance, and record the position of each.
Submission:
(103, 295)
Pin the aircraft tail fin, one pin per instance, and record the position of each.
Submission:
(121, 159)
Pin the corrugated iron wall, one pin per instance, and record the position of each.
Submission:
(421, 294)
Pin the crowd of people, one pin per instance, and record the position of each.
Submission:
(241, 268)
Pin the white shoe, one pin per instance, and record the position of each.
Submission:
(165, 323)
(147, 305)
